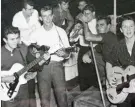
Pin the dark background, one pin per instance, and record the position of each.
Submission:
(104, 7)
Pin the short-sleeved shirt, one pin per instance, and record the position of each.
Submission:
(120, 55)
(106, 45)
(8, 59)
(55, 38)
(24, 27)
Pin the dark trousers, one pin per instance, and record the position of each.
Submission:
(87, 73)
(21, 100)
(129, 102)
(52, 74)
(31, 89)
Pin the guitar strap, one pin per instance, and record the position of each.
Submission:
(60, 40)
(24, 60)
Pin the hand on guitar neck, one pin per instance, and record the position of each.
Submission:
(46, 57)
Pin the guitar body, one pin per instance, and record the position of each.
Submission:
(5, 86)
(123, 77)
(33, 51)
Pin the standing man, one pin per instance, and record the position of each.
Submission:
(123, 56)
(26, 20)
(87, 74)
(62, 16)
(53, 74)
(9, 56)
(13, 52)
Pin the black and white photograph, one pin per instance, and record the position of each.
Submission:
(67, 53)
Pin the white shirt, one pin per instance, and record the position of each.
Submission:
(92, 26)
(56, 38)
(26, 27)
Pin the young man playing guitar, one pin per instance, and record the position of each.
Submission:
(11, 53)
(53, 73)
(123, 57)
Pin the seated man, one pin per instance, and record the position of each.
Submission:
(123, 57)
(106, 41)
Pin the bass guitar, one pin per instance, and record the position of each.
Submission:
(123, 78)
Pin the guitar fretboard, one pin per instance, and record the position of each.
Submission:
(33, 63)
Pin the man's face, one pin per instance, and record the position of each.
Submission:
(78, 26)
(47, 17)
(64, 6)
(28, 10)
(89, 15)
(81, 5)
(128, 28)
(102, 26)
(12, 40)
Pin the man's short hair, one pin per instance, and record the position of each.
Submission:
(90, 7)
(86, 1)
(46, 8)
(10, 30)
(123, 18)
(27, 2)
(106, 18)
(78, 21)
(60, 1)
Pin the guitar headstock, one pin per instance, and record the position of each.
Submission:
(39, 48)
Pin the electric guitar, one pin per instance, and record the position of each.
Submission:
(123, 78)
(8, 91)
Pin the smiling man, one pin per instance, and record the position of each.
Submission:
(53, 73)
(26, 20)
(13, 52)
(106, 40)
(123, 56)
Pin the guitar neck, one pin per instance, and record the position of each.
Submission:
(29, 66)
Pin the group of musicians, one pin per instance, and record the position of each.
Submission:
(43, 40)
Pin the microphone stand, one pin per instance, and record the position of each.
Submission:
(97, 72)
